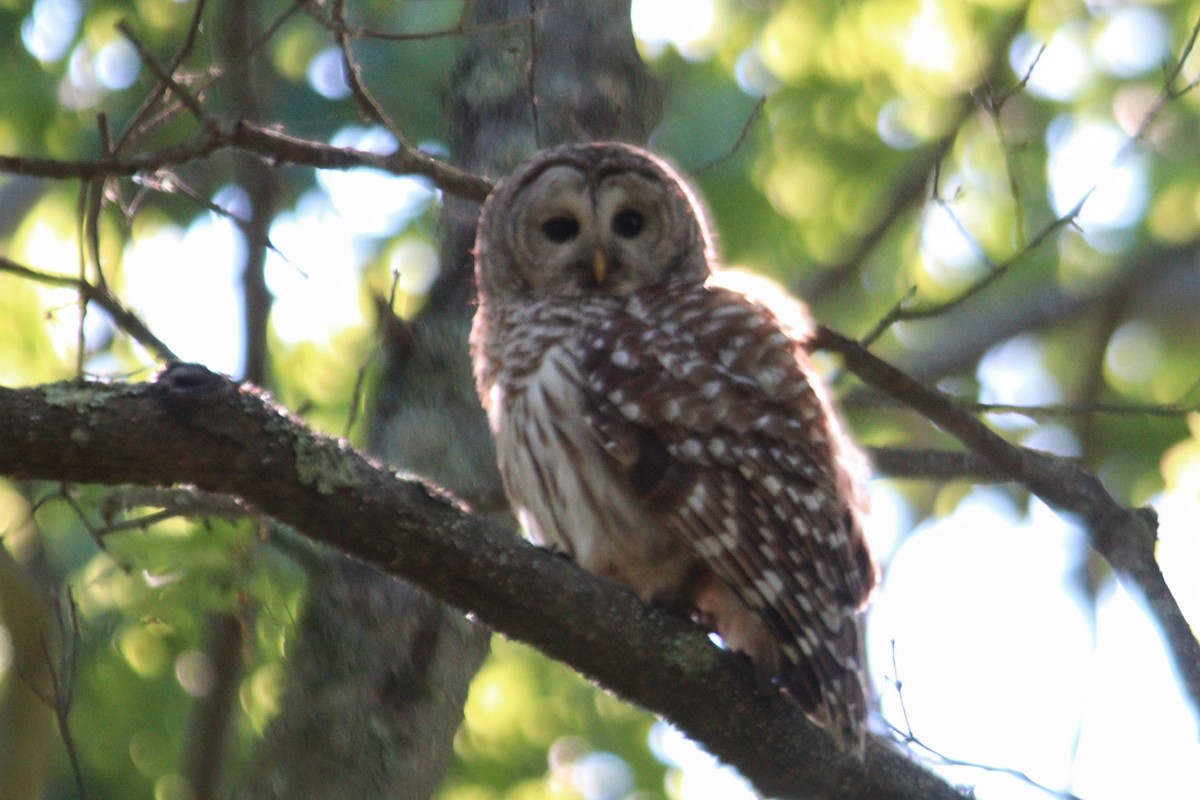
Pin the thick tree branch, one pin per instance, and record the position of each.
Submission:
(193, 426)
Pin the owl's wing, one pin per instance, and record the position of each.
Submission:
(704, 403)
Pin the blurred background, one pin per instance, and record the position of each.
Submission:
(862, 154)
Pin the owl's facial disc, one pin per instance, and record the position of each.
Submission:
(614, 232)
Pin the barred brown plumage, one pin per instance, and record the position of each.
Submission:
(667, 432)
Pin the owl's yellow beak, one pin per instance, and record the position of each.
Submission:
(599, 268)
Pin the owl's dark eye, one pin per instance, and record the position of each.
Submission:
(560, 229)
(628, 223)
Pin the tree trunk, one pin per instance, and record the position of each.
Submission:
(379, 673)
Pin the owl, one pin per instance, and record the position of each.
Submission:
(666, 432)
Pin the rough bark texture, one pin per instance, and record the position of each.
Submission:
(196, 427)
(380, 670)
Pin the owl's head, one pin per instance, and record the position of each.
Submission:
(603, 218)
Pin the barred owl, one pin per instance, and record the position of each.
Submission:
(665, 432)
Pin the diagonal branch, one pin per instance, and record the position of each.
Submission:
(1124, 536)
(121, 316)
(196, 427)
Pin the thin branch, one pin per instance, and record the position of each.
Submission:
(997, 102)
(178, 502)
(1053, 410)
(358, 87)
(1154, 276)
(908, 737)
(90, 205)
(266, 142)
(869, 399)
(168, 182)
(901, 311)
(135, 128)
(81, 516)
(909, 189)
(1168, 92)
(531, 72)
(994, 104)
(934, 465)
(122, 317)
(901, 195)
(937, 757)
(751, 118)
(385, 312)
(190, 102)
(899, 686)
(353, 32)
(62, 681)
(256, 46)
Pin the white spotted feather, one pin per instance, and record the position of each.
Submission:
(667, 434)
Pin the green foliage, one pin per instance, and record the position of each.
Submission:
(530, 721)
(887, 124)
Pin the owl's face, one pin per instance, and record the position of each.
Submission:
(583, 219)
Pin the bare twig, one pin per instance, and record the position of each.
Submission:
(191, 102)
(360, 377)
(751, 118)
(899, 686)
(62, 673)
(358, 88)
(1168, 92)
(1085, 409)
(1150, 275)
(901, 311)
(531, 72)
(122, 317)
(997, 102)
(994, 104)
(168, 182)
(179, 502)
(905, 192)
(136, 127)
(909, 188)
(353, 32)
(871, 399)
(908, 737)
(936, 756)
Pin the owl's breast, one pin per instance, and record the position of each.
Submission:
(569, 492)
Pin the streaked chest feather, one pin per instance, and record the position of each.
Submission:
(572, 495)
